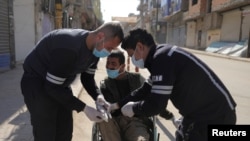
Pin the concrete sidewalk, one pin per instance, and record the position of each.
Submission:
(14, 118)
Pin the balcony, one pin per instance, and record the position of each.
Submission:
(188, 16)
(228, 5)
(213, 20)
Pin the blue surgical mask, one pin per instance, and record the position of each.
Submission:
(139, 63)
(102, 53)
(113, 73)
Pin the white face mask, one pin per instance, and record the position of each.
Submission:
(139, 63)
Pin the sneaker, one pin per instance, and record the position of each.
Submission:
(166, 114)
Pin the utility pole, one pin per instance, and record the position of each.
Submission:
(141, 14)
(58, 14)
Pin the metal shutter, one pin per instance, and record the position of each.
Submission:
(4, 35)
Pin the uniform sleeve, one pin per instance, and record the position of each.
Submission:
(89, 83)
(142, 79)
(61, 65)
(103, 88)
(137, 95)
(162, 77)
(106, 91)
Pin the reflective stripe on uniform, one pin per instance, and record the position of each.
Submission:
(54, 79)
(159, 89)
(90, 71)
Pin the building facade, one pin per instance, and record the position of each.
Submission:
(24, 22)
(196, 23)
(7, 44)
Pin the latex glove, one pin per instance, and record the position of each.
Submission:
(104, 111)
(100, 100)
(127, 110)
(93, 114)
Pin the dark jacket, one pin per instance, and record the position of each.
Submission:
(57, 58)
(193, 88)
(110, 90)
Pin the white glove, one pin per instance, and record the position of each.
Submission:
(102, 105)
(102, 109)
(93, 114)
(127, 110)
(100, 100)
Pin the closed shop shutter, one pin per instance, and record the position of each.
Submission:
(4, 36)
(182, 36)
(245, 23)
(231, 19)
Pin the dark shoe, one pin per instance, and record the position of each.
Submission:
(166, 114)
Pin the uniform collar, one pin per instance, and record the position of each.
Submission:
(150, 56)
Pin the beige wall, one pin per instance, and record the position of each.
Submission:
(191, 34)
(24, 21)
(212, 36)
(201, 27)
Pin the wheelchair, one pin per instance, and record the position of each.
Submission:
(154, 135)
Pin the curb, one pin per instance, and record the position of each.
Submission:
(218, 55)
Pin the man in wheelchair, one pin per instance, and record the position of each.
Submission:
(116, 86)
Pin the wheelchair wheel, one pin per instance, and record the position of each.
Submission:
(155, 132)
(154, 135)
(96, 135)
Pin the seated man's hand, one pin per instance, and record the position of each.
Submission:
(93, 114)
(127, 110)
(113, 107)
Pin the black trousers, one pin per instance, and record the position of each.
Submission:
(49, 119)
(198, 131)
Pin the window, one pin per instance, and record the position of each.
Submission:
(209, 6)
(194, 2)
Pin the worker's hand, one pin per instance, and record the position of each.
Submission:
(102, 109)
(93, 114)
(103, 106)
(100, 100)
(127, 110)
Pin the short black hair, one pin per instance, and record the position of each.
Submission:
(135, 36)
(118, 54)
(112, 29)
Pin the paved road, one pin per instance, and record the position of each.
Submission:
(236, 76)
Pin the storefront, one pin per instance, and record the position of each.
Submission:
(6, 35)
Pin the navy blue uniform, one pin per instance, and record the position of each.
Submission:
(48, 72)
(193, 88)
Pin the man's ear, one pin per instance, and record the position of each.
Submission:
(123, 66)
(140, 46)
(100, 36)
